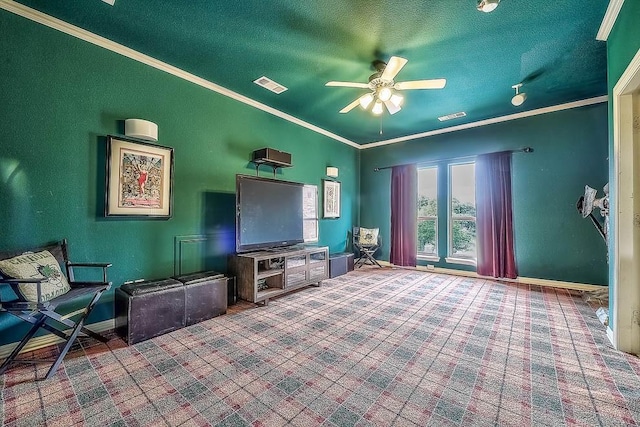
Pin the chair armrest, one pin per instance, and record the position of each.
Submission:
(106, 285)
(89, 264)
(103, 265)
(36, 281)
(18, 281)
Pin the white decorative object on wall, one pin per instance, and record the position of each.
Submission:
(141, 129)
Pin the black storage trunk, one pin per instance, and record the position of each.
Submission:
(340, 264)
(205, 295)
(147, 309)
(232, 291)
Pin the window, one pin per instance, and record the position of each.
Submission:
(462, 211)
(428, 211)
(310, 213)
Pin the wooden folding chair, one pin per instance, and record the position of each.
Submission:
(52, 315)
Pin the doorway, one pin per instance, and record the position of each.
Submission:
(625, 301)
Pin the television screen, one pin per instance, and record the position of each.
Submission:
(268, 213)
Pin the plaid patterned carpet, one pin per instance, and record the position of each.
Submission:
(377, 347)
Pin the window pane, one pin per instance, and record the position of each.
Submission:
(462, 241)
(463, 189)
(427, 237)
(310, 230)
(427, 211)
(310, 213)
(428, 192)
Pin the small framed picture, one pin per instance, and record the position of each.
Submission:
(139, 178)
(331, 200)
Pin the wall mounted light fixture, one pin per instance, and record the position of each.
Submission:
(518, 98)
(332, 171)
(487, 5)
(141, 129)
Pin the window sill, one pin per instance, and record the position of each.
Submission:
(464, 261)
(432, 258)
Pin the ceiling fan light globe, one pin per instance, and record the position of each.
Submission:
(519, 99)
(396, 99)
(366, 100)
(384, 94)
(377, 108)
(487, 5)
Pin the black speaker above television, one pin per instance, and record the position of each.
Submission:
(271, 156)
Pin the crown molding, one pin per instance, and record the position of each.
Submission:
(537, 112)
(82, 34)
(609, 19)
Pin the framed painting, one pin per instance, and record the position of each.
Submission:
(139, 179)
(331, 200)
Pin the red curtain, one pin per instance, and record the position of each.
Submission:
(404, 225)
(496, 252)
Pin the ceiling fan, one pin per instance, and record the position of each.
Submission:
(383, 88)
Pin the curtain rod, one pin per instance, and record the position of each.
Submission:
(521, 150)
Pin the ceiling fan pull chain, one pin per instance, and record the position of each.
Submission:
(381, 124)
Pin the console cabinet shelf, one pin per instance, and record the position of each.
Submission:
(267, 274)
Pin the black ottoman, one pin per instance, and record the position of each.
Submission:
(340, 263)
(147, 309)
(205, 295)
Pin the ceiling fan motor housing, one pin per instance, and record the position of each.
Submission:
(379, 65)
(376, 83)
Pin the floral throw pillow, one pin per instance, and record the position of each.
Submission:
(36, 265)
(368, 236)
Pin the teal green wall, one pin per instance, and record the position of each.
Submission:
(552, 240)
(622, 45)
(61, 97)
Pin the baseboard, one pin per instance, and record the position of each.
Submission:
(522, 280)
(50, 339)
(610, 336)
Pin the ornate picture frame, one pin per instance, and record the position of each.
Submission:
(139, 179)
(331, 199)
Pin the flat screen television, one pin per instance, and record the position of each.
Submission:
(269, 213)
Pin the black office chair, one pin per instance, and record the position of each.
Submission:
(366, 242)
(43, 293)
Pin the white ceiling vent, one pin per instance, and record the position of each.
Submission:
(267, 83)
(452, 116)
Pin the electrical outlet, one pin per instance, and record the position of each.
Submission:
(431, 267)
(636, 317)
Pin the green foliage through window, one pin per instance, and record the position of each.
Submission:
(464, 231)
(427, 223)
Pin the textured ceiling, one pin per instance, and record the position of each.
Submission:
(550, 46)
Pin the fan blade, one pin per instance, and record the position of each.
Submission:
(393, 67)
(348, 84)
(351, 106)
(421, 84)
(392, 108)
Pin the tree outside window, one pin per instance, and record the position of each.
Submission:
(428, 211)
(462, 218)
